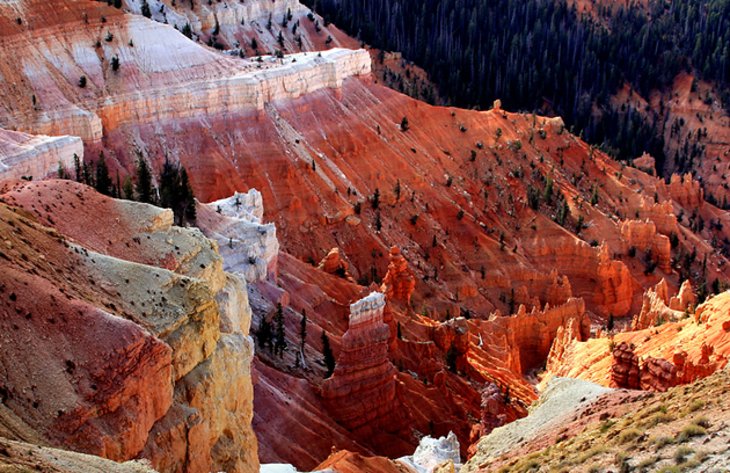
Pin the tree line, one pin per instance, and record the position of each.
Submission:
(175, 191)
(542, 55)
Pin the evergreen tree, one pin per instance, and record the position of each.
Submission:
(77, 168)
(144, 187)
(451, 356)
(128, 188)
(328, 356)
(279, 339)
(264, 334)
(146, 9)
(303, 330)
(176, 192)
(103, 183)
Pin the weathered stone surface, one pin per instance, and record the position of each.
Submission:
(20, 456)
(24, 155)
(625, 370)
(399, 282)
(248, 246)
(361, 392)
(136, 360)
(642, 236)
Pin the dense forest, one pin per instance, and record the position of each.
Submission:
(541, 55)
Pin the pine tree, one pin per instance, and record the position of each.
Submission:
(279, 338)
(303, 330)
(128, 188)
(146, 12)
(103, 183)
(145, 189)
(451, 356)
(404, 125)
(264, 334)
(328, 356)
(375, 200)
(77, 168)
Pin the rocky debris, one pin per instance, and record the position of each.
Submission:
(556, 406)
(21, 457)
(336, 263)
(435, 455)
(36, 156)
(625, 371)
(399, 282)
(248, 246)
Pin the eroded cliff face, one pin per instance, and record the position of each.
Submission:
(24, 155)
(361, 392)
(667, 353)
(137, 358)
(248, 28)
(180, 79)
(511, 237)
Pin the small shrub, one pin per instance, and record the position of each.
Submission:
(696, 405)
(692, 430)
(661, 442)
(680, 456)
(629, 435)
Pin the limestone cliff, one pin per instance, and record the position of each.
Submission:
(247, 245)
(24, 155)
(181, 79)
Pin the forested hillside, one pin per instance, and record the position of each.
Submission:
(542, 55)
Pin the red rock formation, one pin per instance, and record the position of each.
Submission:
(685, 190)
(625, 372)
(142, 349)
(336, 263)
(528, 337)
(494, 402)
(657, 375)
(685, 299)
(399, 282)
(643, 236)
(698, 346)
(361, 392)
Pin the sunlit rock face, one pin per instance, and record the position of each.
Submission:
(361, 392)
(248, 246)
(140, 345)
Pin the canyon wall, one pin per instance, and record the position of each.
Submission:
(24, 155)
(145, 349)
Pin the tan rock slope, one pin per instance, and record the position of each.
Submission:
(122, 341)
